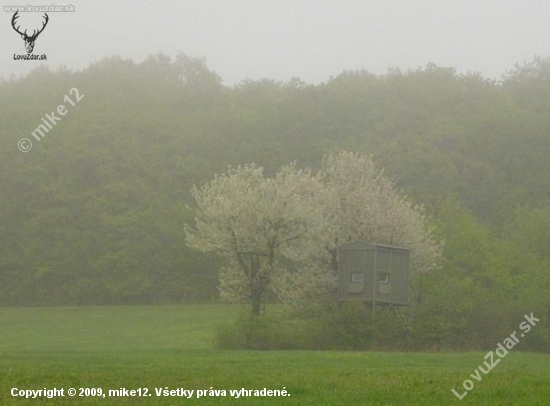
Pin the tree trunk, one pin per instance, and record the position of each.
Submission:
(257, 285)
(256, 305)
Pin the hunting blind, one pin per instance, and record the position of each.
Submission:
(373, 273)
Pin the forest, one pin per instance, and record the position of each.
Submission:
(94, 214)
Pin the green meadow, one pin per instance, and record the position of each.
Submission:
(173, 347)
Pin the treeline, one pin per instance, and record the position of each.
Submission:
(94, 213)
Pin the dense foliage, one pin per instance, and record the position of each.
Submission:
(94, 213)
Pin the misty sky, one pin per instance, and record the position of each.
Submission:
(312, 40)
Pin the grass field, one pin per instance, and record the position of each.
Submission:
(172, 346)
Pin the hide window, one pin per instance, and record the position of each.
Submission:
(357, 283)
(357, 277)
(384, 283)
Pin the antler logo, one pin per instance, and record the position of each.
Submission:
(29, 39)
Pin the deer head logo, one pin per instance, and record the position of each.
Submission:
(29, 39)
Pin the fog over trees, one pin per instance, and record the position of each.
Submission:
(95, 212)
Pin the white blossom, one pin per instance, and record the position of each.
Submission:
(281, 234)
